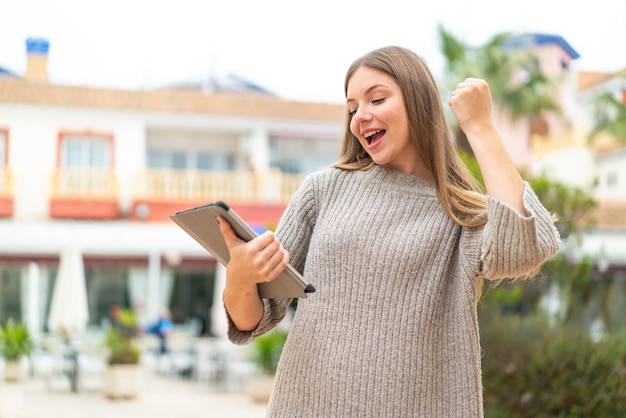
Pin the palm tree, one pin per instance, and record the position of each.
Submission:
(515, 79)
(609, 116)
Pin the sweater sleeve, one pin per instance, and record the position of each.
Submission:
(294, 232)
(296, 225)
(274, 310)
(513, 245)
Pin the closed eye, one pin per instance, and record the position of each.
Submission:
(351, 113)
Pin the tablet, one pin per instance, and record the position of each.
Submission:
(200, 223)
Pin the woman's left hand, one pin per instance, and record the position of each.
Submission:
(471, 104)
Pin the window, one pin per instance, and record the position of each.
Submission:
(106, 287)
(182, 160)
(206, 161)
(192, 298)
(167, 159)
(10, 294)
(291, 166)
(301, 155)
(86, 151)
(611, 179)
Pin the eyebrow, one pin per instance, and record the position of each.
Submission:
(369, 89)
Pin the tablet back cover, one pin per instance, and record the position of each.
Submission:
(200, 224)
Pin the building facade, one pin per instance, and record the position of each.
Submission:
(596, 164)
(100, 170)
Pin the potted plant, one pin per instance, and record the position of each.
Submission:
(15, 343)
(265, 353)
(122, 376)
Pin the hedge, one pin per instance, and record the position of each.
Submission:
(531, 369)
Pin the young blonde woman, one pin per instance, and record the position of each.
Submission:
(395, 237)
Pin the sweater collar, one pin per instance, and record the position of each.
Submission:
(401, 181)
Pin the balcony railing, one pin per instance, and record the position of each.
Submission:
(271, 186)
(158, 185)
(84, 183)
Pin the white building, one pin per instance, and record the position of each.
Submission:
(100, 170)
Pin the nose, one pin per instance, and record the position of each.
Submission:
(362, 115)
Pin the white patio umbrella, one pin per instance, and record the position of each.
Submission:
(69, 313)
(218, 315)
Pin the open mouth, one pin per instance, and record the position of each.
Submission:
(371, 137)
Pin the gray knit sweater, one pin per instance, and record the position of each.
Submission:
(392, 329)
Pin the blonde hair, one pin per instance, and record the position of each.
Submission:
(458, 191)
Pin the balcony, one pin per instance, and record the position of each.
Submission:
(6, 193)
(84, 193)
(258, 197)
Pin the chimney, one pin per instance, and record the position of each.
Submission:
(37, 60)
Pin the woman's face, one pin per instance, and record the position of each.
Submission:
(379, 120)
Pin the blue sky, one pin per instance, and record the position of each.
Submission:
(296, 49)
